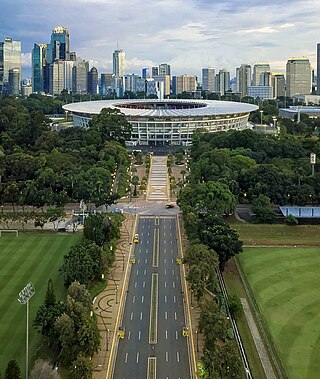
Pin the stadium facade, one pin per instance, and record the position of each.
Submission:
(167, 122)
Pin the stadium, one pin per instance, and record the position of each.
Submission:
(167, 122)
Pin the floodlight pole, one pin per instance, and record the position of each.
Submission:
(24, 296)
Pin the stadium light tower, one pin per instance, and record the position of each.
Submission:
(24, 296)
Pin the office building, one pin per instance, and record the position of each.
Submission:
(39, 53)
(243, 75)
(130, 82)
(164, 69)
(10, 58)
(59, 44)
(261, 92)
(278, 84)
(259, 69)
(68, 66)
(154, 71)
(165, 79)
(56, 77)
(184, 83)
(80, 76)
(106, 84)
(145, 73)
(119, 62)
(318, 68)
(14, 81)
(93, 81)
(298, 76)
(118, 85)
(223, 81)
(208, 79)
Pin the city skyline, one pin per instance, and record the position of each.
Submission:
(188, 34)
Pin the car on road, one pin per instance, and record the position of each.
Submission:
(132, 259)
(136, 238)
(121, 332)
(185, 331)
(170, 205)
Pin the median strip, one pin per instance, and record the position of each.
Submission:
(153, 327)
(155, 260)
(152, 368)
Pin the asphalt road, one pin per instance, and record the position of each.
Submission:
(155, 259)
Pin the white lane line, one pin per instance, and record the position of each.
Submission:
(147, 242)
(148, 234)
(135, 284)
(129, 334)
(145, 272)
(142, 234)
(166, 315)
(164, 234)
(164, 226)
(165, 298)
(165, 260)
(142, 299)
(170, 226)
(133, 299)
(138, 357)
(131, 316)
(146, 260)
(139, 335)
(176, 334)
(164, 250)
(167, 356)
(141, 316)
(175, 315)
(174, 299)
(166, 334)
(138, 261)
(173, 271)
(171, 242)
(171, 251)
(173, 284)
(126, 358)
(165, 271)
(164, 241)
(143, 284)
(165, 284)
(172, 260)
(178, 357)
(137, 273)
(147, 251)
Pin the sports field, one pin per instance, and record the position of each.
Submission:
(285, 282)
(31, 257)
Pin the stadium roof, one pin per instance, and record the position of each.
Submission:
(301, 212)
(162, 108)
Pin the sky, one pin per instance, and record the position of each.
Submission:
(187, 34)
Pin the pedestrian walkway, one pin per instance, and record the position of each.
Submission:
(158, 188)
(106, 304)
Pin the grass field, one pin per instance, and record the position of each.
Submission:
(31, 257)
(285, 283)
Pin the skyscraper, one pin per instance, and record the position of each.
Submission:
(14, 81)
(164, 69)
(208, 79)
(278, 84)
(106, 84)
(119, 62)
(56, 77)
(60, 44)
(223, 81)
(80, 76)
(318, 68)
(145, 73)
(258, 70)
(298, 76)
(39, 52)
(93, 81)
(154, 71)
(184, 83)
(10, 58)
(243, 74)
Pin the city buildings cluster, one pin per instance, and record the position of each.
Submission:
(55, 69)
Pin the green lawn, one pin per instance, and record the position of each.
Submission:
(31, 257)
(285, 283)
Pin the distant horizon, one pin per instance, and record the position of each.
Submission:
(187, 34)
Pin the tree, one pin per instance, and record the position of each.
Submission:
(235, 306)
(112, 125)
(263, 210)
(135, 182)
(96, 228)
(43, 370)
(79, 293)
(291, 220)
(12, 371)
(82, 367)
(50, 299)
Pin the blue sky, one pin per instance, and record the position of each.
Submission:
(188, 34)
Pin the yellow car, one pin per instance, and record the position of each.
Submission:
(121, 332)
(178, 261)
(185, 331)
(136, 238)
(133, 259)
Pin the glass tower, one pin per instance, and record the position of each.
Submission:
(38, 67)
(119, 63)
(60, 44)
(10, 58)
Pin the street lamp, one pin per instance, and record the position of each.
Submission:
(116, 293)
(24, 296)
(108, 330)
(261, 113)
(197, 341)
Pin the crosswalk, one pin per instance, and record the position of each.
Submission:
(158, 182)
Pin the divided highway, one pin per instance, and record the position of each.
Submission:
(153, 345)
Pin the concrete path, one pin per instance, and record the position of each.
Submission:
(158, 179)
(265, 361)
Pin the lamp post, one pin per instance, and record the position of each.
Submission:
(24, 296)
(116, 293)
(108, 330)
(261, 113)
(197, 341)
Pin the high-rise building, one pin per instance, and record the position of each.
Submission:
(93, 81)
(278, 84)
(154, 71)
(130, 82)
(106, 84)
(243, 74)
(119, 62)
(10, 58)
(164, 69)
(59, 44)
(165, 79)
(258, 70)
(184, 83)
(80, 76)
(56, 77)
(145, 73)
(39, 53)
(223, 81)
(68, 66)
(14, 81)
(208, 79)
(318, 68)
(298, 76)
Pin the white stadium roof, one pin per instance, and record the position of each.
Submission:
(162, 108)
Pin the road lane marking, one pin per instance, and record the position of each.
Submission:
(174, 299)
(173, 271)
(146, 260)
(156, 242)
(164, 234)
(165, 271)
(135, 284)
(166, 334)
(137, 272)
(147, 251)
(165, 260)
(165, 284)
(166, 315)
(152, 368)
(138, 261)
(176, 335)
(172, 260)
(178, 357)
(141, 316)
(173, 284)
(165, 298)
(175, 315)
(138, 357)
(126, 358)
(131, 316)
(133, 299)
(148, 234)
(143, 284)
(145, 272)
(139, 335)
(167, 356)
(129, 334)
(142, 299)
(153, 325)
(164, 250)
